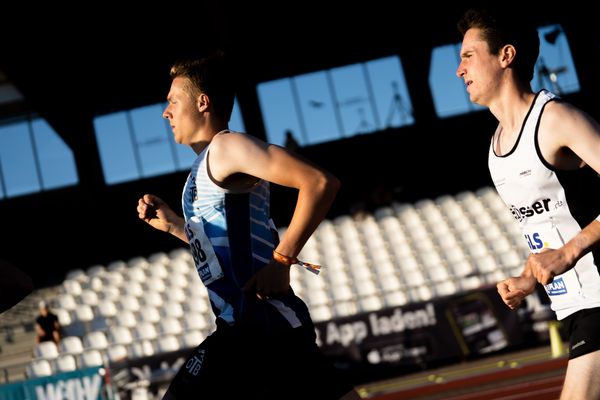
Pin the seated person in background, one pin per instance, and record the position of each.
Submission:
(47, 325)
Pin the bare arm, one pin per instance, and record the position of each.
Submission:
(156, 213)
(513, 290)
(235, 153)
(574, 142)
(549, 263)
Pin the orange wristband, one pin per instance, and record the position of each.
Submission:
(285, 260)
(289, 261)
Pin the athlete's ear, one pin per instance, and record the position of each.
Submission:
(202, 102)
(507, 55)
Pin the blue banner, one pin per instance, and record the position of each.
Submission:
(85, 384)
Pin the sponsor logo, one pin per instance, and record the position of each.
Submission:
(525, 173)
(535, 242)
(556, 287)
(576, 345)
(85, 388)
(204, 272)
(539, 207)
(194, 364)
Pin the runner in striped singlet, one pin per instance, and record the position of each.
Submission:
(264, 346)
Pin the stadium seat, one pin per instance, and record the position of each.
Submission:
(47, 349)
(39, 368)
(95, 340)
(192, 338)
(65, 363)
(71, 345)
(167, 343)
(90, 358)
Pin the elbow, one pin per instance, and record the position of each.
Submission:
(331, 184)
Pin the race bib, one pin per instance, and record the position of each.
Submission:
(205, 259)
(540, 238)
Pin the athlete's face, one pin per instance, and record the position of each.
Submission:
(182, 113)
(480, 70)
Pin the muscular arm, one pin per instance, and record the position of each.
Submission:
(569, 139)
(235, 153)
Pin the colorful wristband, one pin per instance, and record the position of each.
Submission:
(289, 261)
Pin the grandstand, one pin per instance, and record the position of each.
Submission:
(401, 254)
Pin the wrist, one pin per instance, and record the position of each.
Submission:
(283, 259)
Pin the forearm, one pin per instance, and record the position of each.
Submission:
(314, 201)
(177, 229)
(584, 242)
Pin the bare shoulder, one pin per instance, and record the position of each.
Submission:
(558, 113)
(230, 141)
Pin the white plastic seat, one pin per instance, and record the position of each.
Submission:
(120, 335)
(107, 309)
(194, 321)
(77, 274)
(344, 308)
(114, 278)
(159, 257)
(117, 266)
(170, 326)
(47, 349)
(365, 287)
(167, 343)
(117, 353)
(370, 303)
(138, 261)
(133, 288)
(178, 279)
(172, 309)
(149, 314)
(64, 316)
(141, 348)
(39, 368)
(128, 302)
(126, 318)
(445, 288)
(109, 293)
(197, 305)
(95, 340)
(321, 313)
(65, 363)
(395, 298)
(151, 299)
(192, 338)
(66, 301)
(89, 297)
(135, 274)
(175, 294)
(72, 286)
(154, 284)
(317, 297)
(180, 253)
(90, 358)
(71, 345)
(178, 267)
(145, 331)
(96, 270)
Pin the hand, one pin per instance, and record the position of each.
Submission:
(514, 290)
(152, 210)
(547, 264)
(271, 281)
